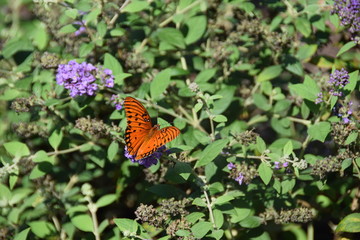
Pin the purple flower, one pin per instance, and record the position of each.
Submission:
(115, 99)
(147, 161)
(231, 166)
(348, 12)
(82, 28)
(240, 178)
(277, 165)
(106, 77)
(319, 98)
(338, 80)
(79, 78)
(344, 112)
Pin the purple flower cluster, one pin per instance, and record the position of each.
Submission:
(79, 78)
(338, 80)
(348, 12)
(240, 178)
(231, 166)
(117, 101)
(278, 165)
(320, 98)
(345, 113)
(82, 28)
(147, 161)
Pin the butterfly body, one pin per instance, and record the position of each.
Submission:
(141, 137)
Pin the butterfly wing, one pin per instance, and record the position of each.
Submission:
(159, 138)
(138, 125)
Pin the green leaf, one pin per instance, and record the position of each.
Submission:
(117, 32)
(287, 185)
(200, 229)
(211, 152)
(17, 149)
(92, 15)
(5, 195)
(240, 214)
(307, 90)
(261, 102)
(196, 28)
(71, 13)
(220, 118)
(350, 224)
(112, 150)
(260, 144)
(67, 29)
(194, 217)
(85, 49)
(42, 228)
(354, 76)
(251, 222)
(205, 75)
(303, 25)
(125, 224)
(223, 199)
(56, 138)
(346, 163)
(106, 200)
(13, 46)
(77, 208)
(346, 48)
(351, 138)
(269, 73)
(10, 94)
(198, 106)
(180, 173)
(199, 202)
(136, 6)
(306, 52)
(172, 37)
(160, 83)
(265, 173)
(22, 235)
(218, 217)
(110, 62)
(83, 222)
(101, 29)
(319, 131)
(41, 169)
(288, 148)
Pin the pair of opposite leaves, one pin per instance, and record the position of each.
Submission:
(141, 137)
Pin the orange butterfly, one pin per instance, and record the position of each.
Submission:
(141, 137)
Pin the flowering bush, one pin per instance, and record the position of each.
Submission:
(265, 94)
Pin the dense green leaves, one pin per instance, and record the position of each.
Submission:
(262, 134)
(211, 152)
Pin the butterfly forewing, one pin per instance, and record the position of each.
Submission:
(138, 124)
(142, 139)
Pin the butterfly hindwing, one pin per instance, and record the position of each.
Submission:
(159, 138)
(141, 137)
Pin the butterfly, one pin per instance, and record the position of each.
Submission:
(142, 138)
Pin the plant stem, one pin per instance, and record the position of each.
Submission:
(93, 208)
(168, 20)
(298, 120)
(208, 204)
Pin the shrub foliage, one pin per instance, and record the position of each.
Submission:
(265, 94)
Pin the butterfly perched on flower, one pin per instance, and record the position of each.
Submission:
(141, 136)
